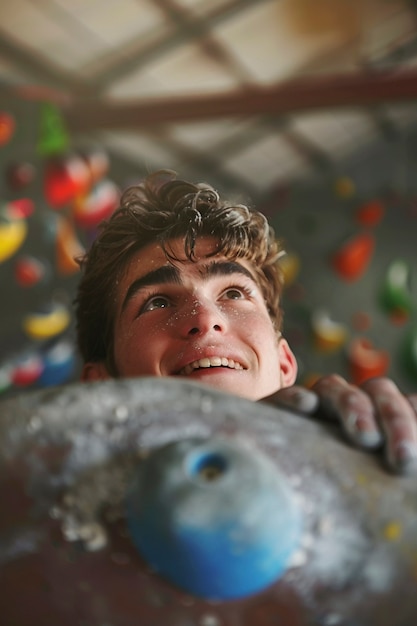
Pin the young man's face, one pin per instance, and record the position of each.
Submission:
(206, 321)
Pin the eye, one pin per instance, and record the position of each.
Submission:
(156, 302)
(235, 293)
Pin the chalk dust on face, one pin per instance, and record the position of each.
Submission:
(192, 320)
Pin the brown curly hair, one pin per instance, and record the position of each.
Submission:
(159, 209)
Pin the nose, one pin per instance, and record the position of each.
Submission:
(200, 318)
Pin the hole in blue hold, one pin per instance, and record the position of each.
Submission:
(207, 466)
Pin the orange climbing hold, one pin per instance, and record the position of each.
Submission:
(7, 127)
(68, 247)
(366, 361)
(352, 259)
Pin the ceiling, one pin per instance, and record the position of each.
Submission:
(246, 94)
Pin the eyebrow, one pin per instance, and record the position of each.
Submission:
(168, 274)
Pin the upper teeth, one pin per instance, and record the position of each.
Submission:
(213, 361)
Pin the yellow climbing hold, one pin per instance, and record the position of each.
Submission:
(290, 267)
(46, 325)
(328, 335)
(12, 235)
(344, 187)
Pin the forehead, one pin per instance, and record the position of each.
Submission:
(152, 257)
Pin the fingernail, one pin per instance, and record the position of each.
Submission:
(357, 429)
(303, 400)
(404, 458)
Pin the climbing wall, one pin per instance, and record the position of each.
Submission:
(52, 198)
(351, 287)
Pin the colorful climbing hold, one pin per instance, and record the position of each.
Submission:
(59, 362)
(7, 127)
(328, 335)
(289, 264)
(27, 370)
(12, 234)
(99, 204)
(65, 179)
(68, 247)
(19, 175)
(19, 209)
(29, 271)
(370, 213)
(344, 187)
(179, 520)
(47, 324)
(54, 138)
(351, 260)
(366, 361)
(395, 296)
(98, 164)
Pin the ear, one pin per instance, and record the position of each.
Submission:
(287, 363)
(94, 371)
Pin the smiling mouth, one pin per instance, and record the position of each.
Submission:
(208, 362)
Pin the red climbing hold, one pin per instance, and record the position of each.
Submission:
(7, 127)
(371, 213)
(29, 271)
(19, 175)
(65, 180)
(19, 209)
(27, 370)
(99, 204)
(352, 259)
(366, 361)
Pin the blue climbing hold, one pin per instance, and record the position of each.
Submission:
(214, 517)
(59, 363)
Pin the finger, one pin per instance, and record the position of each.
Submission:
(352, 407)
(399, 423)
(295, 398)
(412, 398)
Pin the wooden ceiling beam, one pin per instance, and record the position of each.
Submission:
(295, 96)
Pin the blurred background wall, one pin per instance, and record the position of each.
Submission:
(308, 114)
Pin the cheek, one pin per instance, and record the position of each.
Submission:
(260, 333)
(259, 326)
(137, 350)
